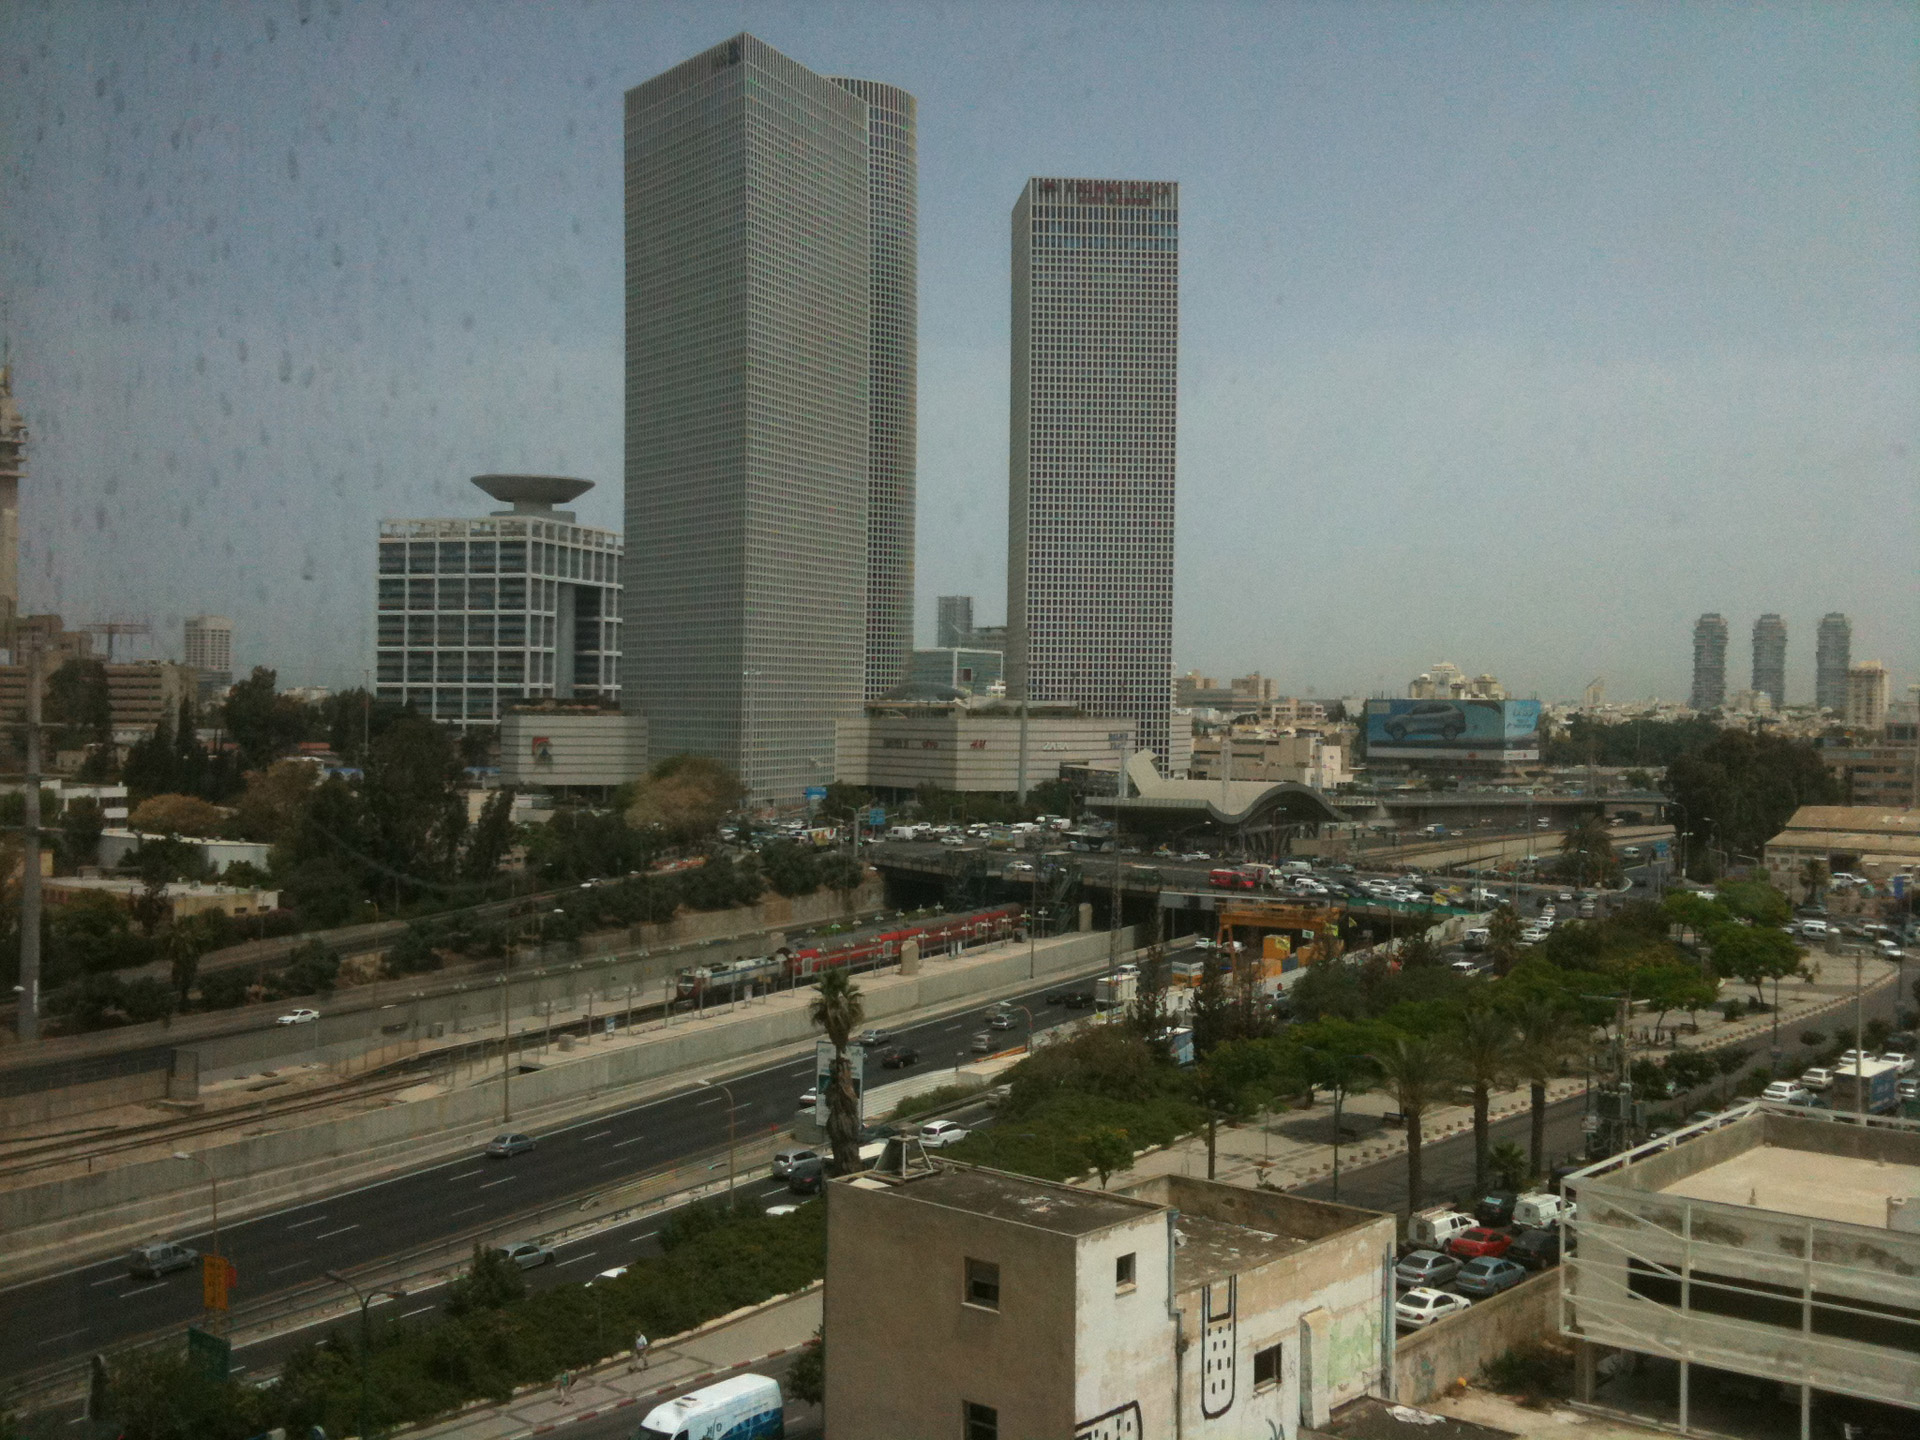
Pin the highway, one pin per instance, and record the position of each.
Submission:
(99, 1306)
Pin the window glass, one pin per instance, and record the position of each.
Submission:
(1123, 1272)
(393, 594)
(480, 594)
(513, 556)
(481, 557)
(420, 594)
(420, 557)
(982, 1422)
(983, 1284)
(393, 557)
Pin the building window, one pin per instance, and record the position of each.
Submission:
(1123, 1273)
(983, 1284)
(983, 1422)
(1266, 1368)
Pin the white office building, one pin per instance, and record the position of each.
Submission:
(209, 653)
(1096, 309)
(474, 615)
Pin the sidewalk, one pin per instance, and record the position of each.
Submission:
(1294, 1147)
(674, 1366)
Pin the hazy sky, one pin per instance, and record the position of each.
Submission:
(1512, 335)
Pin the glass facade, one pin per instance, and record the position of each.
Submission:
(1096, 311)
(472, 615)
(749, 341)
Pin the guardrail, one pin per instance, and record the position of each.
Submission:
(423, 1268)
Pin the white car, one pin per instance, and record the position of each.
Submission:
(1789, 1092)
(938, 1134)
(526, 1254)
(1900, 1058)
(1422, 1306)
(809, 1099)
(954, 840)
(298, 1017)
(1889, 949)
(1817, 1079)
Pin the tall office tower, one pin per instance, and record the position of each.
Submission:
(1709, 662)
(893, 187)
(209, 653)
(750, 354)
(477, 614)
(1868, 690)
(1096, 270)
(13, 468)
(1832, 655)
(1770, 658)
(953, 621)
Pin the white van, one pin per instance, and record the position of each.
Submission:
(1432, 1229)
(1539, 1210)
(744, 1405)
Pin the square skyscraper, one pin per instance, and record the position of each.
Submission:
(751, 363)
(1096, 311)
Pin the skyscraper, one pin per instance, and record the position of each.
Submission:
(893, 385)
(953, 621)
(752, 359)
(1090, 527)
(1867, 695)
(13, 468)
(209, 653)
(1709, 662)
(476, 615)
(1832, 654)
(1770, 658)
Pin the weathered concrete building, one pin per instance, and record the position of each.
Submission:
(963, 1301)
(1777, 1244)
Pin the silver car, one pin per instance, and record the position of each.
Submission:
(150, 1262)
(526, 1254)
(785, 1160)
(1425, 1267)
(503, 1146)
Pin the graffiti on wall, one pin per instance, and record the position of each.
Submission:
(1219, 1341)
(1353, 1357)
(1121, 1423)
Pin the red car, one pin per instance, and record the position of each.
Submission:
(1472, 1244)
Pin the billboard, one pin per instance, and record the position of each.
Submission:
(1500, 731)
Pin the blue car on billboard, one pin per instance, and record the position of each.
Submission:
(1430, 717)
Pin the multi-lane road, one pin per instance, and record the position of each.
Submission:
(98, 1306)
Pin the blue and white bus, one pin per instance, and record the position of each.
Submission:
(747, 1407)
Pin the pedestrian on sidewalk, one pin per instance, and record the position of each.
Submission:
(566, 1387)
(639, 1354)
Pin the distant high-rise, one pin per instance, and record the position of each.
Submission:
(1867, 695)
(1832, 655)
(893, 395)
(1709, 662)
(13, 468)
(953, 621)
(1770, 658)
(754, 375)
(477, 615)
(1096, 310)
(209, 653)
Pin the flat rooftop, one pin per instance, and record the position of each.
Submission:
(1210, 1250)
(1061, 1209)
(1789, 1181)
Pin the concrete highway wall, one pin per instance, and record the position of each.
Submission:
(257, 1171)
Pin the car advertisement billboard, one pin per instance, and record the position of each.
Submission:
(1486, 730)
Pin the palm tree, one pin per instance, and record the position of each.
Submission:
(1484, 1044)
(838, 1009)
(1420, 1072)
(1813, 877)
(1546, 1037)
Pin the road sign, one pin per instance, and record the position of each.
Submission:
(609, 1024)
(211, 1354)
(816, 792)
(217, 1277)
(876, 816)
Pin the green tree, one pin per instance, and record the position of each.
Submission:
(1503, 938)
(1755, 900)
(684, 798)
(1212, 1009)
(492, 837)
(415, 815)
(792, 867)
(1108, 1150)
(182, 947)
(1813, 878)
(837, 1011)
(492, 1282)
(1668, 985)
(1510, 1167)
(1754, 953)
(1421, 1072)
(1483, 1048)
(76, 699)
(77, 838)
(841, 873)
(1547, 1033)
(1586, 853)
(842, 803)
(1334, 1055)
(269, 808)
(807, 1380)
(264, 724)
(1737, 791)
(176, 815)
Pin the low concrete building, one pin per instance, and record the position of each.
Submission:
(1301, 759)
(117, 844)
(139, 696)
(957, 747)
(1866, 840)
(1777, 1244)
(184, 897)
(1182, 1307)
(561, 749)
(1884, 776)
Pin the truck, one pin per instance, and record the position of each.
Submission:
(1110, 992)
(1873, 1087)
(743, 1405)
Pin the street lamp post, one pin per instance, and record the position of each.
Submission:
(366, 1332)
(213, 1198)
(724, 1090)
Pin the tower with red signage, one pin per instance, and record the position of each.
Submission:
(1096, 310)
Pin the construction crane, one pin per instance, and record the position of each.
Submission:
(114, 628)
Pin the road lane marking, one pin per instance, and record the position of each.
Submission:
(110, 1280)
(295, 1266)
(647, 1236)
(299, 1223)
(597, 1135)
(466, 1174)
(55, 1340)
(329, 1234)
(501, 1181)
(409, 1314)
(576, 1259)
(716, 1100)
(156, 1285)
(468, 1211)
(622, 1144)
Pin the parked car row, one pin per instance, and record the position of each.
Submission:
(1459, 1258)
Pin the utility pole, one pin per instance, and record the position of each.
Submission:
(1119, 798)
(29, 1021)
(1020, 776)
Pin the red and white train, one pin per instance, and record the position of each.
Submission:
(865, 951)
